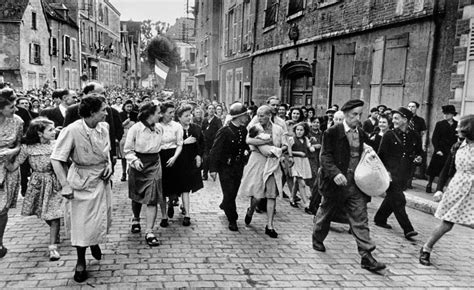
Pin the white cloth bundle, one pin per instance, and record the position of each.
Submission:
(370, 175)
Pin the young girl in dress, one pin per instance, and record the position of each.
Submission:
(42, 196)
(301, 169)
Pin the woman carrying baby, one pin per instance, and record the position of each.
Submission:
(262, 176)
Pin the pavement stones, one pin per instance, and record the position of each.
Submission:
(207, 254)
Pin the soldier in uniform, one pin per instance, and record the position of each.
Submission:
(399, 150)
(227, 157)
(342, 148)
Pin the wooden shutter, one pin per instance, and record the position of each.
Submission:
(234, 31)
(239, 18)
(32, 53)
(394, 68)
(377, 69)
(51, 46)
(343, 73)
(226, 34)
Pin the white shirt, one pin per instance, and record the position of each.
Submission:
(172, 135)
(142, 140)
(63, 110)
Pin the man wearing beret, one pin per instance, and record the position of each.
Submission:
(399, 149)
(342, 148)
(227, 156)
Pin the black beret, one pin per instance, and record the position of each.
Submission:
(349, 105)
(404, 112)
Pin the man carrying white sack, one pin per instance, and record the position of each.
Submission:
(399, 150)
(342, 148)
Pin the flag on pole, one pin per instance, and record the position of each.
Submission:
(161, 69)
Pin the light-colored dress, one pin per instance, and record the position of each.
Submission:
(457, 204)
(11, 131)
(88, 215)
(42, 197)
(260, 180)
(301, 167)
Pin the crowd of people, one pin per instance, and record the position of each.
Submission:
(59, 151)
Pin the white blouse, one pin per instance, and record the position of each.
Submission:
(172, 135)
(142, 140)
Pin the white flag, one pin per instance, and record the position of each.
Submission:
(161, 69)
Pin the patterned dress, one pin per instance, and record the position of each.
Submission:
(457, 205)
(11, 131)
(42, 196)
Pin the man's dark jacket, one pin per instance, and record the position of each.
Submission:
(335, 156)
(209, 130)
(54, 114)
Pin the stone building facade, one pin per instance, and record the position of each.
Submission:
(326, 52)
(99, 38)
(237, 43)
(63, 47)
(462, 81)
(24, 43)
(208, 28)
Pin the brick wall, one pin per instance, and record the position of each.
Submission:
(340, 18)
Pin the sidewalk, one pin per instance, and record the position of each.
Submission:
(418, 199)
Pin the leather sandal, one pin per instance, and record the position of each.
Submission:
(151, 240)
(136, 228)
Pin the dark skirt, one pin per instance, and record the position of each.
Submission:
(171, 175)
(436, 165)
(145, 186)
(191, 179)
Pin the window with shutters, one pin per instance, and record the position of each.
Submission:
(231, 33)
(33, 21)
(53, 46)
(101, 13)
(388, 70)
(295, 8)
(35, 53)
(66, 47)
(271, 13)
(106, 16)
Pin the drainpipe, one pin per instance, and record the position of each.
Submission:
(254, 31)
(431, 62)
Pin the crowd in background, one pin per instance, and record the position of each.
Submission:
(168, 144)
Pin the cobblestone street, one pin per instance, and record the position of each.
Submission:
(207, 254)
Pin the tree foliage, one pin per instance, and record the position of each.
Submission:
(163, 49)
(149, 30)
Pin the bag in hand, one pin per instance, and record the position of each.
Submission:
(371, 176)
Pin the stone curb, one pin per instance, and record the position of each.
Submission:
(421, 204)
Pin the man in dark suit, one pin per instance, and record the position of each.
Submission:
(112, 118)
(399, 149)
(342, 148)
(370, 125)
(444, 137)
(210, 126)
(65, 98)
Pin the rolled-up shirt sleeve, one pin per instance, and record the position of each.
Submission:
(129, 147)
(64, 145)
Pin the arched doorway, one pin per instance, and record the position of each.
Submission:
(297, 83)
